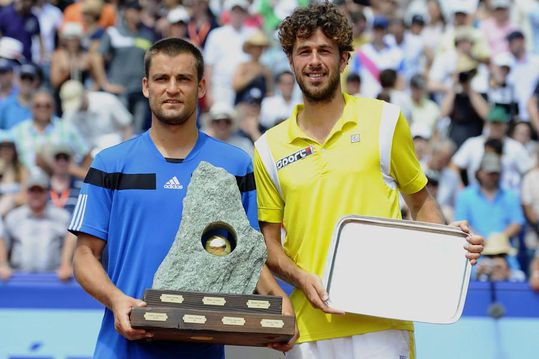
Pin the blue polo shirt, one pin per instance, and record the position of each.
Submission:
(12, 112)
(487, 216)
(132, 198)
(22, 28)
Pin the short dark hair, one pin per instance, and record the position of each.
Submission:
(388, 78)
(173, 46)
(283, 73)
(305, 20)
(495, 144)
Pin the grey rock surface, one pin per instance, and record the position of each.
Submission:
(212, 197)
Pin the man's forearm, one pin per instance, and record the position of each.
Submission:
(424, 207)
(278, 262)
(92, 277)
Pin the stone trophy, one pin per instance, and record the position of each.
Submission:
(203, 289)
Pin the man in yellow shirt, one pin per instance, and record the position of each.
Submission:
(336, 155)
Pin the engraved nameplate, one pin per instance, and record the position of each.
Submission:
(156, 317)
(196, 319)
(272, 323)
(259, 304)
(233, 321)
(214, 301)
(171, 298)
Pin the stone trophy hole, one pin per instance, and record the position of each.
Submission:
(219, 239)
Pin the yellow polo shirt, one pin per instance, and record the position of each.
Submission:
(367, 158)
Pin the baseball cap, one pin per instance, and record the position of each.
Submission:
(178, 14)
(231, 4)
(253, 96)
(132, 4)
(6, 65)
(491, 162)
(72, 29)
(380, 22)
(498, 114)
(71, 95)
(10, 48)
(418, 81)
(517, 34)
(38, 179)
(221, 110)
(500, 4)
(418, 19)
(28, 70)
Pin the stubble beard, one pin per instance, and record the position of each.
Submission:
(165, 119)
(320, 94)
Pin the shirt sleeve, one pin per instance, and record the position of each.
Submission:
(270, 203)
(463, 156)
(405, 167)
(120, 114)
(92, 212)
(461, 207)
(248, 196)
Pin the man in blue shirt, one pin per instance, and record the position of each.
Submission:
(16, 108)
(126, 204)
(490, 209)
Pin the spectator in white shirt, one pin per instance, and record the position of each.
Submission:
(278, 107)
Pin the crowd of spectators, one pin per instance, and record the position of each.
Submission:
(464, 72)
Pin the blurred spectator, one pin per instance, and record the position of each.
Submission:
(71, 61)
(388, 82)
(352, 84)
(374, 57)
(530, 202)
(16, 109)
(465, 107)
(223, 53)
(278, 107)
(177, 20)
(252, 74)
(524, 73)
(223, 124)
(497, 26)
(533, 108)
(249, 116)
(13, 175)
(534, 272)
(74, 13)
(501, 92)
(495, 265)
(434, 30)
(123, 48)
(64, 188)
(99, 117)
(18, 22)
(93, 31)
(359, 29)
(50, 19)
(534, 23)
(515, 159)
(423, 111)
(11, 49)
(274, 11)
(421, 138)
(522, 132)
(202, 23)
(492, 211)
(437, 165)
(7, 84)
(5, 269)
(411, 46)
(44, 129)
(36, 235)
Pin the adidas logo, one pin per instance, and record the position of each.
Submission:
(173, 183)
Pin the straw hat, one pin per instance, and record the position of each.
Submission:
(258, 38)
(497, 244)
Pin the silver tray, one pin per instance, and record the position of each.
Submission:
(397, 269)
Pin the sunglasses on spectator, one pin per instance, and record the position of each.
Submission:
(220, 120)
(27, 78)
(43, 105)
(62, 156)
(36, 189)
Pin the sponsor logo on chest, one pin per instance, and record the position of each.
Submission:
(296, 156)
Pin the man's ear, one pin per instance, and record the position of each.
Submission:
(344, 59)
(145, 91)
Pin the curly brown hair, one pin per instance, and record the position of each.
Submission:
(305, 20)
